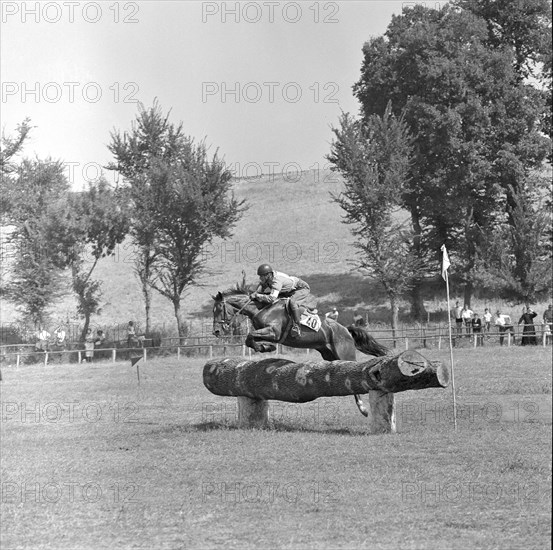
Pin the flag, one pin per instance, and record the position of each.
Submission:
(136, 361)
(445, 263)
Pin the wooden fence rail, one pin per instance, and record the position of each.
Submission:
(387, 335)
(417, 341)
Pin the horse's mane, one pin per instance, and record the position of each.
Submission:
(239, 289)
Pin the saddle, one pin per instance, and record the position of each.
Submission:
(308, 316)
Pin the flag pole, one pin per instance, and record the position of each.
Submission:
(445, 266)
(451, 354)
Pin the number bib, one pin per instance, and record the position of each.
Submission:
(310, 320)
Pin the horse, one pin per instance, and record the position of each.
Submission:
(272, 326)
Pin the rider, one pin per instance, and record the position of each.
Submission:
(274, 284)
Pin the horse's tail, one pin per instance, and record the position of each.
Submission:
(365, 343)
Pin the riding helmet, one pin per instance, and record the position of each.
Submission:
(263, 269)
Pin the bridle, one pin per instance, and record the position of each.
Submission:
(226, 323)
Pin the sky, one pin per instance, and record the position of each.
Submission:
(261, 82)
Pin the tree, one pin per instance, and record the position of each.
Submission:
(10, 147)
(523, 26)
(524, 29)
(33, 192)
(373, 157)
(152, 137)
(476, 128)
(94, 223)
(34, 284)
(518, 258)
(189, 205)
(180, 198)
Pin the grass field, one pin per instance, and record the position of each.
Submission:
(91, 459)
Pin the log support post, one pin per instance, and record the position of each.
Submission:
(383, 412)
(252, 413)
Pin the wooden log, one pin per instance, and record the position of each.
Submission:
(302, 382)
(293, 382)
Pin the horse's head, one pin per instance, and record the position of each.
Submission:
(222, 315)
(225, 308)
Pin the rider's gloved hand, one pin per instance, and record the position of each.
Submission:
(253, 296)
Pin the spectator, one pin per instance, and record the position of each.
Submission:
(529, 330)
(131, 335)
(548, 317)
(487, 321)
(504, 324)
(42, 339)
(466, 316)
(547, 333)
(477, 329)
(59, 333)
(100, 338)
(359, 321)
(458, 314)
(89, 346)
(332, 314)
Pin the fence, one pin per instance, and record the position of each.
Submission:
(208, 346)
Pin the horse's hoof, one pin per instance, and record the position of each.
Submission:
(364, 411)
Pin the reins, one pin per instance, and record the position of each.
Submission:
(235, 314)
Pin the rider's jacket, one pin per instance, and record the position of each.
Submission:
(281, 285)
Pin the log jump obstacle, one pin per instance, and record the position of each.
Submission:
(253, 383)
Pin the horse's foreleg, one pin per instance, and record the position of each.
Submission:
(256, 339)
(265, 335)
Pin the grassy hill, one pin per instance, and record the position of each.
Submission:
(291, 223)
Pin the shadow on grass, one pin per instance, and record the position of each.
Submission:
(275, 426)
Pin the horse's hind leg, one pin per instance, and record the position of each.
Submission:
(331, 354)
(345, 350)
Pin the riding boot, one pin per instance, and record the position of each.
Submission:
(296, 315)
